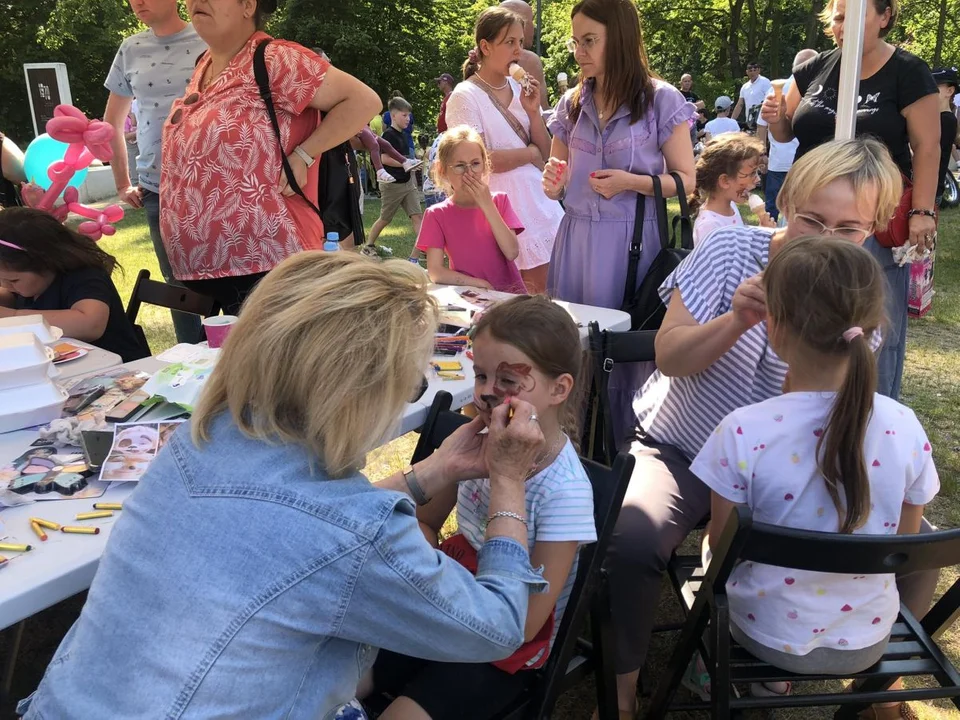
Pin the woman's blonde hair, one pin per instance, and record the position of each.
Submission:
(826, 15)
(328, 349)
(448, 143)
(864, 162)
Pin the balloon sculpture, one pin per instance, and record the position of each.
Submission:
(57, 161)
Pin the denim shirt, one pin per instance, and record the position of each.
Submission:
(240, 581)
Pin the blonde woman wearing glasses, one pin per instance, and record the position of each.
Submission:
(713, 357)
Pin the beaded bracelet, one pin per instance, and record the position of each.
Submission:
(507, 514)
(927, 213)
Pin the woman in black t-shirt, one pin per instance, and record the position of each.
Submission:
(48, 269)
(898, 104)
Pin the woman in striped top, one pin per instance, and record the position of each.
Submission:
(713, 357)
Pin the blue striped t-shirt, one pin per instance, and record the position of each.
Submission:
(683, 411)
(559, 506)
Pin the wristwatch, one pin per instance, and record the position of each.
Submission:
(413, 485)
(304, 155)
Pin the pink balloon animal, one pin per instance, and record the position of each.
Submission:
(87, 140)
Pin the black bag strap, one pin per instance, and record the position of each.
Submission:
(262, 77)
(660, 203)
(683, 220)
(636, 246)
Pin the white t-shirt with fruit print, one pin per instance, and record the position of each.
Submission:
(764, 456)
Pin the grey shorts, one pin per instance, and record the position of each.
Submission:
(395, 195)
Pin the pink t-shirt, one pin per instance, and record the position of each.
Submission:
(466, 237)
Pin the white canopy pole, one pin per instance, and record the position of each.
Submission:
(850, 62)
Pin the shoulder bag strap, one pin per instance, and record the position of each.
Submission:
(660, 204)
(263, 84)
(507, 115)
(636, 246)
(683, 220)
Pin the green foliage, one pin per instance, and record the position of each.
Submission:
(390, 46)
(404, 45)
(83, 34)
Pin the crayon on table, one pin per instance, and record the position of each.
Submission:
(35, 526)
(94, 515)
(108, 506)
(78, 530)
(48, 524)
(16, 547)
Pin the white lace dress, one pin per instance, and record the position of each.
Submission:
(541, 216)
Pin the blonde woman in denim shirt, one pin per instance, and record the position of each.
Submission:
(255, 572)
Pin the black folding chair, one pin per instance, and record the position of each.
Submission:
(912, 650)
(607, 349)
(572, 658)
(173, 297)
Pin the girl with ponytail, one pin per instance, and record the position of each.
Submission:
(830, 455)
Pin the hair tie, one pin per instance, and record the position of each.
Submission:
(852, 333)
(11, 245)
(473, 55)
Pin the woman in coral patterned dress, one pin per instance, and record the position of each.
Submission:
(227, 213)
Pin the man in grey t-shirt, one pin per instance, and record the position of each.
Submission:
(154, 67)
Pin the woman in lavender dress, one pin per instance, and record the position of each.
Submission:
(614, 130)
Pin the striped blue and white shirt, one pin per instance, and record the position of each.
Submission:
(559, 506)
(683, 411)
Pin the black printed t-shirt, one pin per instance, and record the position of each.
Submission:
(902, 80)
(69, 288)
(399, 142)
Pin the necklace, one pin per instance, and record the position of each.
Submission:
(549, 452)
(505, 82)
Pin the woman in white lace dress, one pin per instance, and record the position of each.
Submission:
(507, 115)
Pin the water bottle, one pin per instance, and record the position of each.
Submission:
(332, 243)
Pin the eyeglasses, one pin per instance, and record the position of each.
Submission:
(814, 226)
(754, 174)
(476, 167)
(587, 44)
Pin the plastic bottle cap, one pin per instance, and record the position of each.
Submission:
(335, 237)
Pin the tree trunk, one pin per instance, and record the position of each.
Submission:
(813, 24)
(774, 48)
(736, 62)
(941, 26)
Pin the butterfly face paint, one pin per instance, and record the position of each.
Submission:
(510, 380)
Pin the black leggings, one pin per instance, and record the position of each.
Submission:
(229, 292)
(448, 690)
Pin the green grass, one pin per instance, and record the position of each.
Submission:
(931, 387)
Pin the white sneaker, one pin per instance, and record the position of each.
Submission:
(411, 164)
(385, 177)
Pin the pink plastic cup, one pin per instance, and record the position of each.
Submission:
(217, 328)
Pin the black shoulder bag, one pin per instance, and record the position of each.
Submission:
(643, 303)
(338, 187)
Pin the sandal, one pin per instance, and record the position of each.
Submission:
(888, 712)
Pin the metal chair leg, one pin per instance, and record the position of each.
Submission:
(11, 662)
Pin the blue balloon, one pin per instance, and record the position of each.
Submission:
(40, 155)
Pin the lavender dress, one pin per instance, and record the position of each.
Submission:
(589, 263)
